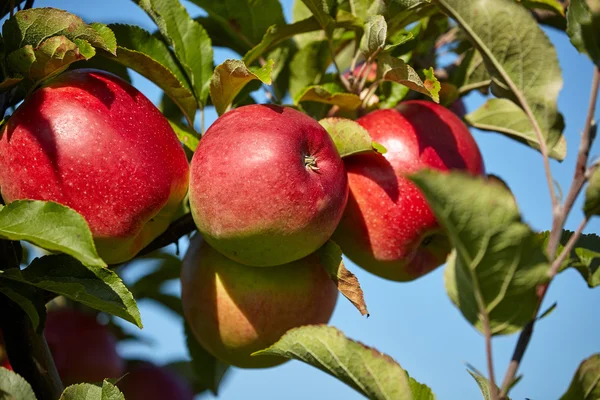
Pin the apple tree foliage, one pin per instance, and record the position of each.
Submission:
(336, 60)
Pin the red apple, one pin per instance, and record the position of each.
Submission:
(93, 142)
(458, 107)
(235, 310)
(388, 228)
(267, 185)
(146, 381)
(370, 72)
(82, 348)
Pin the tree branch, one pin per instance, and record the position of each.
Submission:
(182, 226)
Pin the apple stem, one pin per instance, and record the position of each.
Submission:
(310, 162)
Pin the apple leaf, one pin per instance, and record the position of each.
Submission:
(471, 74)
(10, 82)
(51, 226)
(96, 287)
(207, 369)
(88, 391)
(322, 10)
(329, 93)
(277, 34)
(308, 66)
(585, 257)
(390, 68)
(550, 5)
(346, 282)
(186, 135)
(484, 385)
(586, 381)
(230, 77)
(373, 39)
(420, 391)
(190, 42)
(504, 116)
(14, 386)
(152, 58)
(498, 261)
(583, 27)
(27, 297)
(500, 30)
(592, 195)
(350, 137)
(370, 372)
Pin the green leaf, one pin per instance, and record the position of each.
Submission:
(150, 57)
(586, 381)
(277, 34)
(9, 83)
(190, 42)
(585, 257)
(583, 27)
(51, 226)
(350, 137)
(396, 70)
(550, 5)
(27, 297)
(308, 66)
(471, 74)
(401, 13)
(96, 287)
(208, 371)
(592, 195)
(346, 282)
(370, 372)
(323, 11)
(504, 116)
(501, 30)
(484, 385)
(186, 135)
(420, 391)
(329, 93)
(230, 77)
(88, 391)
(498, 261)
(13, 386)
(373, 39)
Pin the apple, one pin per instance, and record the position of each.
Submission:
(370, 71)
(92, 142)
(458, 107)
(267, 185)
(82, 348)
(388, 227)
(146, 381)
(234, 310)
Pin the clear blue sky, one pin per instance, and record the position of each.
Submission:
(415, 322)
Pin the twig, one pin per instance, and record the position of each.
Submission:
(180, 227)
(489, 356)
(337, 67)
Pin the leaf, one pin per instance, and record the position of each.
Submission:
(585, 257)
(330, 255)
(230, 77)
(150, 57)
(329, 93)
(26, 297)
(373, 374)
(586, 381)
(550, 5)
(504, 116)
(373, 39)
(471, 74)
(308, 66)
(13, 386)
(503, 31)
(277, 34)
(51, 226)
(396, 70)
(190, 42)
(592, 195)
(9, 83)
(187, 136)
(420, 391)
(350, 137)
(97, 287)
(322, 10)
(208, 370)
(498, 261)
(583, 27)
(88, 391)
(484, 385)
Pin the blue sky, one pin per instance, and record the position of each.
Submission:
(415, 322)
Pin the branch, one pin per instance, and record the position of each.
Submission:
(180, 227)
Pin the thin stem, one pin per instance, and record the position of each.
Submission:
(489, 356)
(567, 249)
(370, 93)
(201, 120)
(337, 67)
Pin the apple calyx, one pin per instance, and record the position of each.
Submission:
(310, 162)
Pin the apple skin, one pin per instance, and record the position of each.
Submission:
(82, 348)
(234, 310)
(252, 196)
(388, 227)
(146, 381)
(91, 141)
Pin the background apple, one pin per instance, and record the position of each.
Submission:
(146, 381)
(91, 141)
(267, 185)
(388, 227)
(82, 348)
(234, 309)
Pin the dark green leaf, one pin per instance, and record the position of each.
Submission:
(350, 137)
(586, 381)
(13, 386)
(27, 297)
(371, 373)
(592, 195)
(96, 287)
(308, 66)
(51, 226)
(230, 77)
(498, 260)
(208, 370)
(585, 258)
(88, 391)
(583, 27)
(373, 39)
(323, 12)
(396, 70)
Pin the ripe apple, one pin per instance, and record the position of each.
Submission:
(234, 310)
(82, 348)
(267, 185)
(388, 228)
(146, 381)
(92, 142)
